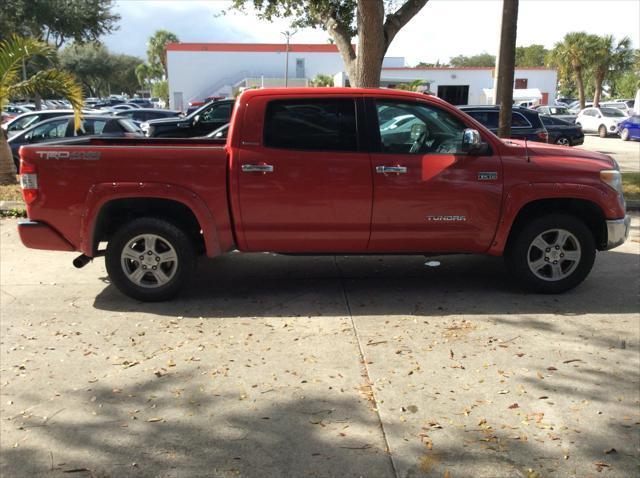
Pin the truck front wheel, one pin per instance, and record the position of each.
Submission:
(149, 259)
(551, 254)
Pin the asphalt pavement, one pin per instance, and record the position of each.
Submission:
(274, 366)
(626, 153)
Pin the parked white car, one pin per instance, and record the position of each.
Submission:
(603, 121)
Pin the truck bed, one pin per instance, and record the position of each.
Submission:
(76, 176)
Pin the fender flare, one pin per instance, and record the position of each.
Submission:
(101, 194)
(521, 195)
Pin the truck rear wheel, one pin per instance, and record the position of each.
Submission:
(149, 259)
(552, 254)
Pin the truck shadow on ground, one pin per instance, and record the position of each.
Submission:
(201, 433)
(268, 285)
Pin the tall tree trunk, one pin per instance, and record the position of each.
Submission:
(599, 77)
(372, 44)
(7, 167)
(580, 82)
(507, 62)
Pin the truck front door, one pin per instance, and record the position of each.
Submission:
(304, 179)
(429, 196)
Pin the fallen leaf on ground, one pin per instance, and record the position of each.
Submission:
(514, 405)
(156, 419)
(610, 451)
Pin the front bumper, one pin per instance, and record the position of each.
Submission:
(617, 232)
(38, 235)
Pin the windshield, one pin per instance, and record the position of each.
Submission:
(612, 113)
(555, 110)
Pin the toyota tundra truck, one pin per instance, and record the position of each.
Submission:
(323, 171)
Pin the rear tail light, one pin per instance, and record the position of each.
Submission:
(544, 136)
(28, 181)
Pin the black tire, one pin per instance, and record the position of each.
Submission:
(624, 134)
(563, 141)
(520, 249)
(169, 236)
(602, 131)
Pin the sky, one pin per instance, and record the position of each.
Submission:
(443, 29)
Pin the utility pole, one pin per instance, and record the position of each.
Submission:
(288, 36)
(506, 64)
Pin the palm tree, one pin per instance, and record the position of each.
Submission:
(144, 75)
(156, 48)
(321, 80)
(415, 85)
(572, 56)
(609, 57)
(14, 52)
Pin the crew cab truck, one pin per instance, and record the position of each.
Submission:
(317, 171)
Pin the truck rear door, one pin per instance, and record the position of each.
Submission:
(428, 195)
(304, 178)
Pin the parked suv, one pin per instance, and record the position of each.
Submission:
(603, 121)
(201, 122)
(525, 123)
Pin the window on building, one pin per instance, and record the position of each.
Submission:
(299, 67)
(319, 125)
(521, 83)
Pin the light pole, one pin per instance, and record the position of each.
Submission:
(288, 36)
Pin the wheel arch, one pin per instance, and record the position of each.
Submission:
(109, 206)
(587, 211)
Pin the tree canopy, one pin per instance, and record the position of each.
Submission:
(532, 55)
(57, 21)
(100, 71)
(374, 22)
(483, 59)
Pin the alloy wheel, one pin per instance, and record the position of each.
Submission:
(554, 255)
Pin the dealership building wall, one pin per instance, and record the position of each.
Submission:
(199, 70)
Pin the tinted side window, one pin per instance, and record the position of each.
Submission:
(487, 118)
(417, 128)
(320, 125)
(519, 121)
(217, 113)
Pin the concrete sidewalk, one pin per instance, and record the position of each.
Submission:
(298, 366)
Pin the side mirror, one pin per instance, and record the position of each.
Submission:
(471, 142)
(418, 130)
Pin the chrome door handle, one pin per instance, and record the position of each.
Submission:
(391, 169)
(257, 168)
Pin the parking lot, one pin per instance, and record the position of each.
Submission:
(627, 153)
(319, 366)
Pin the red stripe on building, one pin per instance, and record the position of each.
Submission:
(253, 47)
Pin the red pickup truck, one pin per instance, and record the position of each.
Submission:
(317, 171)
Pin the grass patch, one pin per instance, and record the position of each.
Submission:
(631, 185)
(10, 192)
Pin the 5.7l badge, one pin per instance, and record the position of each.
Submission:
(487, 175)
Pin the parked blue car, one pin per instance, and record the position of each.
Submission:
(629, 128)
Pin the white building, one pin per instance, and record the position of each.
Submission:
(474, 85)
(199, 70)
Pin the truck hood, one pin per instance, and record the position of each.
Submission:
(567, 153)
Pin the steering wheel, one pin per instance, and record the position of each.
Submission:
(419, 142)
